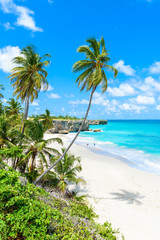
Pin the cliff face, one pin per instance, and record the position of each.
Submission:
(97, 122)
(65, 126)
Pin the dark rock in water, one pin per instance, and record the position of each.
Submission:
(97, 130)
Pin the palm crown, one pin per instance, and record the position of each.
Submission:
(94, 65)
(30, 76)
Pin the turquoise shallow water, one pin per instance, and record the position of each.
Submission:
(137, 141)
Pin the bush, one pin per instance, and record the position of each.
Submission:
(28, 212)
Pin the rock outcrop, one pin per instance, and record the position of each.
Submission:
(97, 122)
(66, 126)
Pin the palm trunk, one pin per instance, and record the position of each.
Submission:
(25, 113)
(72, 140)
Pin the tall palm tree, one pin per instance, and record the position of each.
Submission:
(93, 75)
(36, 147)
(1, 88)
(47, 119)
(29, 77)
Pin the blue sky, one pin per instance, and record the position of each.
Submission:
(131, 31)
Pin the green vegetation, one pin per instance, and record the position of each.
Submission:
(28, 212)
(65, 172)
(1, 88)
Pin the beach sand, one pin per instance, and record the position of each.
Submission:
(127, 197)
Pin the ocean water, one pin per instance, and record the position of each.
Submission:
(135, 141)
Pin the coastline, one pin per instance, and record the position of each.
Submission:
(125, 196)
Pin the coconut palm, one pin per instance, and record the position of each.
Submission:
(93, 75)
(9, 136)
(36, 148)
(14, 108)
(1, 88)
(47, 119)
(29, 77)
(65, 172)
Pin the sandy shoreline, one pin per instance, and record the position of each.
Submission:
(127, 197)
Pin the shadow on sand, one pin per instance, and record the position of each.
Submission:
(127, 196)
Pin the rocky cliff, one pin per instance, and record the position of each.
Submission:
(65, 126)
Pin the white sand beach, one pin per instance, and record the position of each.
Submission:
(127, 197)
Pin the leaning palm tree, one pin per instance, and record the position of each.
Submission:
(29, 77)
(1, 88)
(93, 75)
(36, 148)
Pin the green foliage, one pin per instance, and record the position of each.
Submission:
(1, 88)
(27, 212)
(67, 117)
(65, 171)
(36, 147)
(46, 120)
(94, 65)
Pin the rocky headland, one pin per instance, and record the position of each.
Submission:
(66, 126)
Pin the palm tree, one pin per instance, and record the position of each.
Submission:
(93, 75)
(47, 119)
(65, 172)
(14, 107)
(29, 77)
(36, 148)
(1, 88)
(9, 136)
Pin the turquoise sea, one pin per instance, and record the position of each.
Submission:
(135, 141)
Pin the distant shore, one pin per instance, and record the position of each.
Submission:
(125, 196)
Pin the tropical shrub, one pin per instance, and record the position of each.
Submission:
(65, 172)
(28, 212)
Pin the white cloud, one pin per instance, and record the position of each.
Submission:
(24, 15)
(123, 90)
(4, 100)
(155, 68)
(50, 88)
(131, 107)
(158, 107)
(37, 108)
(126, 69)
(34, 103)
(54, 96)
(76, 102)
(150, 86)
(144, 100)
(8, 26)
(100, 99)
(6, 55)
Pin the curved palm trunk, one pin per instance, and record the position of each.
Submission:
(72, 140)
(25, 113)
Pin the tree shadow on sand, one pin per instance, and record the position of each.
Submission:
(129, 197)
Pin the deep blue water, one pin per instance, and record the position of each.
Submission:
(137, 141)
